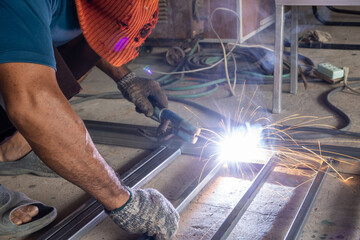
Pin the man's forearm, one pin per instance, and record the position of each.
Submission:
(56, 133)
(116, 73)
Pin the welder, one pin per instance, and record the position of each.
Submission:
(46, 47)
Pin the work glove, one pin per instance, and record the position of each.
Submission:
(147, 211)
(144, 93)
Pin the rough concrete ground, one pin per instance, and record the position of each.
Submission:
(335, 213)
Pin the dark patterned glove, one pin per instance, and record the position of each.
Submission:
(144, 93)
(147, 211)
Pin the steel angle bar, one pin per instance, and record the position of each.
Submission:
(91, 213)
(119, 134)
(127, 135)
(235, 215)
(306, 206)
(189, 194)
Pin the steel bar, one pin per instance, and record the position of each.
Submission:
(189, 194)
(306, 206)
(118, 134)
(126, 135)
(91, 213)
(196, 187)
(278, 64)
(294, 50)
(233, 218)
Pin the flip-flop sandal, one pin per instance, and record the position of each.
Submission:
(9, 202)
(29, 164)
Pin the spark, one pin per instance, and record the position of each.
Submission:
(148, 70)
(251, 142)
(242, 144)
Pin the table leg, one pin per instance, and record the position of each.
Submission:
(294, 50)
(278, 65)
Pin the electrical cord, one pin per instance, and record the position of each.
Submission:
(213, 65)
(329, 23)
(221, 61)
(345, 11)
(225, 55)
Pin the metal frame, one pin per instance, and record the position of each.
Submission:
(233, 218)
(91, 213)
(307, 204)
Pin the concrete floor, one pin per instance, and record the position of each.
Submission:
(335, 213)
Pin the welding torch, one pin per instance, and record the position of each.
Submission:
(180, 127)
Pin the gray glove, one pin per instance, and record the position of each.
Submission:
(144, 93)
(147, 211)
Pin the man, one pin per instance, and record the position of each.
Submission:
(44, 121)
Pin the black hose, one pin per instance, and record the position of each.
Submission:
(250, 60)
(320, 45)
(329, 23)
(344, 11)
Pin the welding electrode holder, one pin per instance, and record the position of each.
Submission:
(180, 127)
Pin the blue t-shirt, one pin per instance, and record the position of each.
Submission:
(28, 29)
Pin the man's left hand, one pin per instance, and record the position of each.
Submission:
(144, 93)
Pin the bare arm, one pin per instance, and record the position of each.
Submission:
(39, 110)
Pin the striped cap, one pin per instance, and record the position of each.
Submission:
(115, 29)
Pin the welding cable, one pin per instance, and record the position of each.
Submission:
(253, 61)
(329, 23)
(208, 58)
(225, 54)
(321, 45)
(195, 95)
(162, 80)
(212, 84)
(344, 11)
(215, 64)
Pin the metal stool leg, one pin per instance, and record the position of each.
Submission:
(294, 50)
(278, 68)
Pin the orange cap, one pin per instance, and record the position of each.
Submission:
(115, 29)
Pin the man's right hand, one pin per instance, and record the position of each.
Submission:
(148, 211)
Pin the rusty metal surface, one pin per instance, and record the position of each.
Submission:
(177, 21)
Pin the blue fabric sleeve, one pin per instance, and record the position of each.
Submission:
(25, 32)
